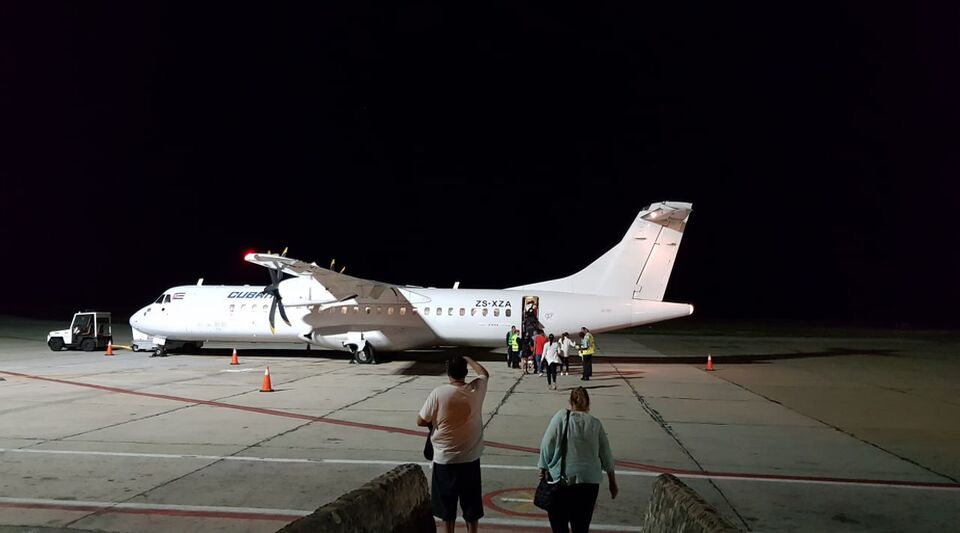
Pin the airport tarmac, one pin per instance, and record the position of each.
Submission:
(795, 430)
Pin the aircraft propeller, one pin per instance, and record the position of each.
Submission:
(276, 276)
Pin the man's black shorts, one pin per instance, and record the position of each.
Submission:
(453, 481)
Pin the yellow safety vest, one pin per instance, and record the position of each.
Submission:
(591, 346)
(513, 342)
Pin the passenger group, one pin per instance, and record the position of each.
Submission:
(574, 451)
(546, 355)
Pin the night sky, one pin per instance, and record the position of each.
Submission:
(144, 147)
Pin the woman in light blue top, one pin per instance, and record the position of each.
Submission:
(588, 455)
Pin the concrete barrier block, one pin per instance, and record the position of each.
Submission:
(396, 502)
(676, 507)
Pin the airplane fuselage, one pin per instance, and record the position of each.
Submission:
(418, 318)
(622, 288)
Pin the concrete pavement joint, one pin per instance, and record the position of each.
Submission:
(369, 397)
(486, 466)
(161, 485)
(658, 418)
(507, 446)
(256, 444)
(220, 398)
(849, 434)
(504, 399)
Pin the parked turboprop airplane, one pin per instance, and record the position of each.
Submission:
(332, 310)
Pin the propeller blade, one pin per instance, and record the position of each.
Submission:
(283, 314)
(284, 253)
(332, 261)
(273, 312)
(343, 269)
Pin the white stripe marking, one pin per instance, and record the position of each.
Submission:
(293, 513)
(546, 525)
(639, 473)
(523, 500)
(240, 370)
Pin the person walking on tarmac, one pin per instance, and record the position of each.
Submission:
(455, 410)
(551, 360)
(538, 342)
(565, 346)
(588, 347)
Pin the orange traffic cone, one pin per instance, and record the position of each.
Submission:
(709, 363)
(234, 360)
(109, 348)
(266, 387)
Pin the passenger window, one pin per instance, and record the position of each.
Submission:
(379, 310)
(243, 307)
(389, 311)
(462, 312)
(484, 311)
(507, 312)
(264, 307)
(356, 309)
(426, 311)
(232, 307)
(413, 310)
(403, 311)
(344, 310)
(449, 311)
(473, 311)
(366, 310)
(496, 312)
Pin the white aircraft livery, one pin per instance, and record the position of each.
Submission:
(331, 310)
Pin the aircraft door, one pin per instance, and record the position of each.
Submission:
(531, 316)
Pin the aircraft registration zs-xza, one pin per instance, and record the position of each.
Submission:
(332, 310)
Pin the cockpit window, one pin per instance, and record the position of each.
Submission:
(159, 300)
(166, 299)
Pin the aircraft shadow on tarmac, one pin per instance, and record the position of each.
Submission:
(752, 358)
(425, 362)
(431, 362)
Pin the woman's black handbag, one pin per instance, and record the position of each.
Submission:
(549, 491)
(428, 447)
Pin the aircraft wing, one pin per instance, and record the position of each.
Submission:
(341, 286)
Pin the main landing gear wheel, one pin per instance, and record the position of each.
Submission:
(161, 351)
(365, 356)
(56, 344)
(88, 345)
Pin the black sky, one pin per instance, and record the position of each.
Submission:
(146, 146)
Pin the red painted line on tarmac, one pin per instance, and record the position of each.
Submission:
(213, 403)
(487, 527)
(493, 444)
(155, 512)
(488, 501)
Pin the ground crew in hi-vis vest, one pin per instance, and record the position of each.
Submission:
(513, 348)
(587, 348)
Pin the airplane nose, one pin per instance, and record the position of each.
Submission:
(139, 319)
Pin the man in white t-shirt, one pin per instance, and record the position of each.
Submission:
(455, 412)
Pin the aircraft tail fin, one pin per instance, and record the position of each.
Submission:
(639, 266)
